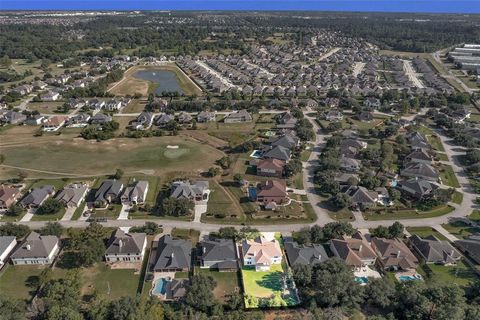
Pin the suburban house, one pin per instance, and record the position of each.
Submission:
(219, 254)
(261, 253)
(289, 141)
(135, 193)
(35, 120)
(173, 255)
(206, 116)
(108, 192)
(23, 89)
(417, 141)
(36, 249)
(7, 244)
(272, 191)
(372, 102)
(239, 116)
(365, 116)
(37, 196)
(50, 96)
(419, 170)
(394, 254)
(470, 247)
(184, 118)
(277, 152)
(361, 196)
(355, 251)
(350, 164)
(8, 196)
(113, 105)
(126, 247)
(12, 117)
(163, 119)
(100, 118)
(54, 123)
(286, 121)
(72, 195)
(78, 120)
(143, 122)
(334, 115)
(270, 167)
(433, 250)
(304, 254)
(198, 191)
(419, 156)
(416, 189)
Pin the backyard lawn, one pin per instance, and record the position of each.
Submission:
(459, 274)
(110, 283)
(436, 143)
(227, 282)
(263, 285)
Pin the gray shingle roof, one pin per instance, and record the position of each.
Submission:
(122, 243)
(36, 246)
(435, 250)
(217, 250)
(173, 253)
(37, 196)
(305, 254)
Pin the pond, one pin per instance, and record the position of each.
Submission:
(164, 79)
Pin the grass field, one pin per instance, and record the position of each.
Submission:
(457, 197)
(220, 203)
(227, 282)
(131, 85)
(134, 106)
(460, 229)
(89, 158)
(45, 107)
(20, 282)
(436, 143)
(448, 176)
(109, 283)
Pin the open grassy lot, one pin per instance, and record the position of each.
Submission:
(134, 106)
(130, 85)
(457, 197)
(263, 285)
(83, 158)
(448, 176)
(475, 215)
(425, 232)
(220, 204)
(460, 274)
(49, 217)
(227, 282)
(407, 214)
(109, 283)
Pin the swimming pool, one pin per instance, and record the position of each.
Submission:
(159, 286)
(361, 280)
(256, 154)
(410, 278)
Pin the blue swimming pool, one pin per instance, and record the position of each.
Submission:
(160, 286)
(410, 278)
(361, 280)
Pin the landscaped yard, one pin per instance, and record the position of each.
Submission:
(460, 229)
(448, 176)
(425, 232)
(436, 143)
(227, 282)
(49, 217)
(457, 197)
(187, 234)
(460, 274)
(264, 285)
(221, 206)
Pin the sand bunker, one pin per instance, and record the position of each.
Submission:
(172, 147)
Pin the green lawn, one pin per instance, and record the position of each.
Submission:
(20, 282)
(57, 183)
(407, 214)
(448, 176)
(263, 285)
(220, 205)
(442, 156)
(436, 143)
(475, 215)
(112, 212)
(110, 283)
(49, 217)
(425, 232)
(78, 212)
(457, 197)
(188, 234)
(227, 282)
(460, 274)
(460, 229)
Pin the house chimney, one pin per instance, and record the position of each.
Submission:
(398, 254)
(204, 250)
(451, 253)
(360, 248)
(28, 247)
(120, 243)
(172, 255)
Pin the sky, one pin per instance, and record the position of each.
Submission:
(434, 6)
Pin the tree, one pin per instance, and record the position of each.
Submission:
(302, 274)
(224, 162)
(335, 230)
(293, 167)
(118, 174)
(248, 233)
(12, 229)
(150, 228)
(14, 210)
(213, 171)
(52, 229)
(380, 292)
(6, 62)
(11, 308)
(90, 251)
(226, 233)
(341, 200)
(50, 206)
(177, 207)
(123, 308)
(200, 292)
(237, 177)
